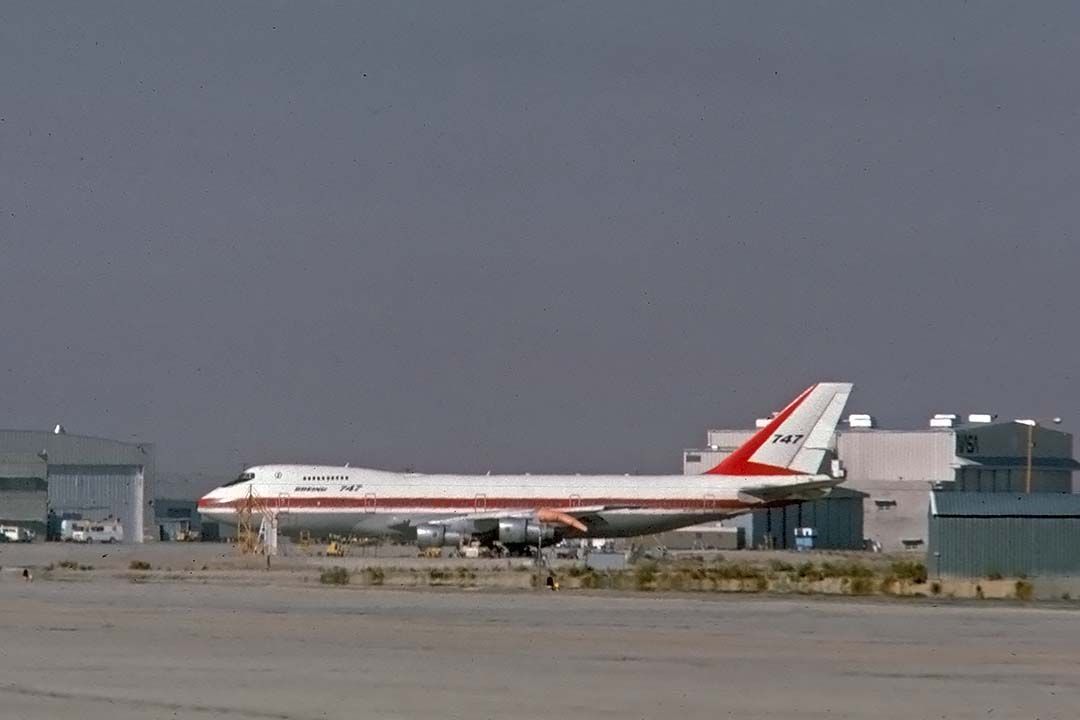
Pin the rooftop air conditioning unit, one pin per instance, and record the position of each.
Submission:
(981, 418)
(860, 421)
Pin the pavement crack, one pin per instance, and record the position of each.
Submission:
(136, 704)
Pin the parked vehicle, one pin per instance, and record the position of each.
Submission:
(82, 531)
(107, 532)
(14, 533)
(69, 527)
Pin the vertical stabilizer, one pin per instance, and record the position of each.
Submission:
(796, 440)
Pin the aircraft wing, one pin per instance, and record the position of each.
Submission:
(578, 518)
(810, 490)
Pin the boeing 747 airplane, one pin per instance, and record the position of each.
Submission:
(781, 463)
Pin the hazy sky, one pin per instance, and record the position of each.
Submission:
(529, 236)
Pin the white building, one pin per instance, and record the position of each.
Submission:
(897, 468)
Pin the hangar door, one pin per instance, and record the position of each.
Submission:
(97, 492)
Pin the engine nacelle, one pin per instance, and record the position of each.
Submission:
(521, 531)
(437, 536)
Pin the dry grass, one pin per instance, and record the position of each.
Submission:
(334, 576)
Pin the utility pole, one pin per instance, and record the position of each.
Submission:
(1031, 425)
(1030, 446)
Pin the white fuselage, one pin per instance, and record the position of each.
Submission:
(328, 499)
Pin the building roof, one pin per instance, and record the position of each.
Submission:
(1038, 462)
(980, 504)
(65, 449)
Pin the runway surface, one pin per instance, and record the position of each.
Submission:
(110, 649)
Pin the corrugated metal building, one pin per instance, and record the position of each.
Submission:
(837, 519)
(90, 477)
(896, 468)
(24, 492)
(720, 444)
(172, 517)
(978, 535)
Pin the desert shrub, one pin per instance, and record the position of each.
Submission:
(809, 572)
(910, 570)
(838, 570)
(69, 565)
(334, 576)
(861, 586)
(1024, 590)
(588, 578)
(374, 575)
(645, 576)
(674, 580)
(781, 566)
(577, 571)
(618, 580)
(138, 565)
(978, 591)
(994, 576)
(737, 571)
(935, 587)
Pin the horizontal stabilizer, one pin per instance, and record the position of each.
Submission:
(811, 490)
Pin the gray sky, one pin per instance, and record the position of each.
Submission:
(529, 236)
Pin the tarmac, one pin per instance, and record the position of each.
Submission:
(106, 648)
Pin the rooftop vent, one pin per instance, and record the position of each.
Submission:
(943, 420)
(59, 430)
(981, 418)
(761, 422)
(860, 421)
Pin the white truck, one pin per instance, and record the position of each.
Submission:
(84, 531)
(14, 533)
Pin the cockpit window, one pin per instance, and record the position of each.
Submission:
(244, 477)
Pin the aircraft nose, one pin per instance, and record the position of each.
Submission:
(210, 502)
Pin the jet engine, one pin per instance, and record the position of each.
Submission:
(437, 536)
(521, 531)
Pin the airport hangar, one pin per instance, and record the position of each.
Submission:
(51, 475)
(895, 470)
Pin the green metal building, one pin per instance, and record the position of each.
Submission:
(24, 492)
(981, 534)
(837, 521)
(87, 477)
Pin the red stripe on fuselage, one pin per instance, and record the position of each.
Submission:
(475, 504)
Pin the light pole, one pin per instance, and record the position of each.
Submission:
(1031, 425)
